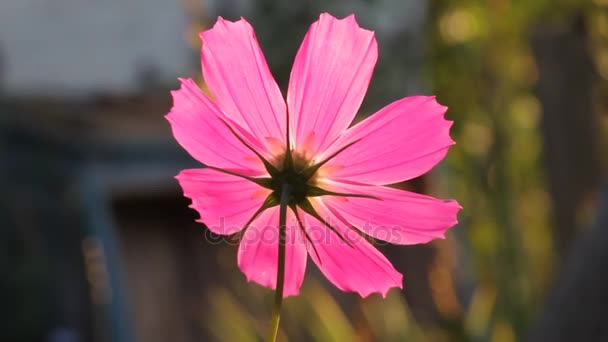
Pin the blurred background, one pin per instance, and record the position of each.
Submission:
(97, 242)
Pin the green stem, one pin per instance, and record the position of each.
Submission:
(278, 296)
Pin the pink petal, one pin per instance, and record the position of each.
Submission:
(236, 72)
(397, 216)
(225, 202)
(360, 267)
(403, 140)
(258, 252)
(198, 127)
(328, 81)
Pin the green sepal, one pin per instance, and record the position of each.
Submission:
(263, 182)
(308, 208)
(310, 171)
(315, 191)
(288, 161)
(272, 170)
(314, 248)
(269, 202)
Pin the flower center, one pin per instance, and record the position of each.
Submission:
(291, 174)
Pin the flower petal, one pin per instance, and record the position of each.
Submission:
(403, 140)
(328, 81)
(198, 127)
(396, 216)
(357, 267)
(258, 252)
(236, 72)
(225, 202)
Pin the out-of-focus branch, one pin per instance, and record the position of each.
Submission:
(576, 310)
(568, 125)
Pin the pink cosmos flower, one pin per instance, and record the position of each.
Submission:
(252, 140)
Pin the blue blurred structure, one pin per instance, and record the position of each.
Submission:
(59, 181)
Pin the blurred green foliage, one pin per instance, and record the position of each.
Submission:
(479, 63)
(482, 67)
